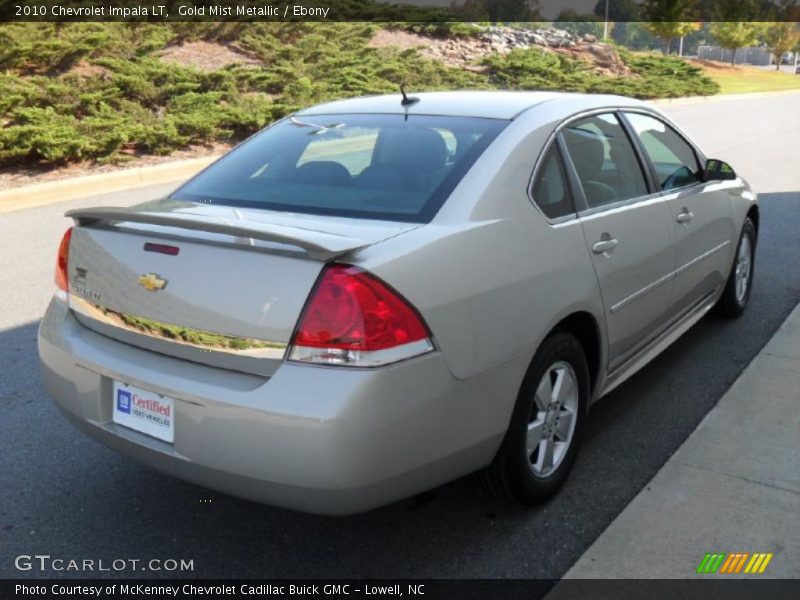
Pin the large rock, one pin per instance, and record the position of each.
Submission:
(605, 57)
(550, 37)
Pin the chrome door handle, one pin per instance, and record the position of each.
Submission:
(604, 245)
(685, 216)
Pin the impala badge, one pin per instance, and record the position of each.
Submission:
(152, 282)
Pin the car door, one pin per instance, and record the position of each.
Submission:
(701, 213)
(627, 229)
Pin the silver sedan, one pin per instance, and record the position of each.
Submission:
(375, 296)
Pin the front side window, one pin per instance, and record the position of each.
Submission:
(550, 189)
(604, 159)
(673, 157)
(389, 167)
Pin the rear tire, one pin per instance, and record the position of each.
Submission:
(546, 426)
(740, 281)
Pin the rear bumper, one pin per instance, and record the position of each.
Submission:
(316, 439)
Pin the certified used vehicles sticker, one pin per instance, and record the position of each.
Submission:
(144, 411)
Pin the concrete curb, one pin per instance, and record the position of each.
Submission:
(719, 98)
(64, 190)
(733, 486)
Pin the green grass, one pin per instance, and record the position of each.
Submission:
(124, 101)
(746, 80)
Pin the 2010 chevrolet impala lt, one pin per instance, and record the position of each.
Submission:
(375, 296)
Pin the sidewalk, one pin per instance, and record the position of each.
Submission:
(733, 486)
(65, 190)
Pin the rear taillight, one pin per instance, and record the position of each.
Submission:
(353, 318)
(62, 262)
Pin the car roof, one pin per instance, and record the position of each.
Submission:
(485, 104)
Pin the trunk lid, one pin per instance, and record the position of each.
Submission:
(231, 296)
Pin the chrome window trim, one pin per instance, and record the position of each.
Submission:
(582, 209)
(620, 204)
(585, 209)
(563, 220)
(697, 185)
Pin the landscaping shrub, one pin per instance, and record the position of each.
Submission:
(101, 91)
(654, 75)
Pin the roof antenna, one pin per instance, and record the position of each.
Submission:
(407, 101)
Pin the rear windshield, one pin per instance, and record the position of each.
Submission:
(389, 167)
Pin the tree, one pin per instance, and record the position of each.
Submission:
(781, 38)
(741, 10)
(669, 19)
(512, 10)
(693, 40)
(735, 35)
(668, 31)
(739, 23)
(497, 11)
(636, 37)
(621, 13)
(618, 10)
(578, 24)
(471, 10)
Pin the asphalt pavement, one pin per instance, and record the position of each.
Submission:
(64, 495)
(727, 501)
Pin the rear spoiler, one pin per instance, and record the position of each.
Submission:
(317, 244)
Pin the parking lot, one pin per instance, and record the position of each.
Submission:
(64, 495)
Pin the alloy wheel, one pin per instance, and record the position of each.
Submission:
(742, 271)
(553, 417)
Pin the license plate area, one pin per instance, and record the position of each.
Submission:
(144, 411)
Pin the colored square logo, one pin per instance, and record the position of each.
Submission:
(124, 401)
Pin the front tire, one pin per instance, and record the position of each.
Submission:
(740, 281)
(546, 426)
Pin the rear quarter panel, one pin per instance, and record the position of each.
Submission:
(489, 274)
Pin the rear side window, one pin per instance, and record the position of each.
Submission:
(388, 167)
(604, 159)
(673, 157)
(550, 189)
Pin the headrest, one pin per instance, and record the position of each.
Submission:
(421, 150)
(322, 172)
(586, 150)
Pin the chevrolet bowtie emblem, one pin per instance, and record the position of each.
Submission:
(152, 282)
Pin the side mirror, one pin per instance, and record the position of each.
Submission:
(717, 170)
